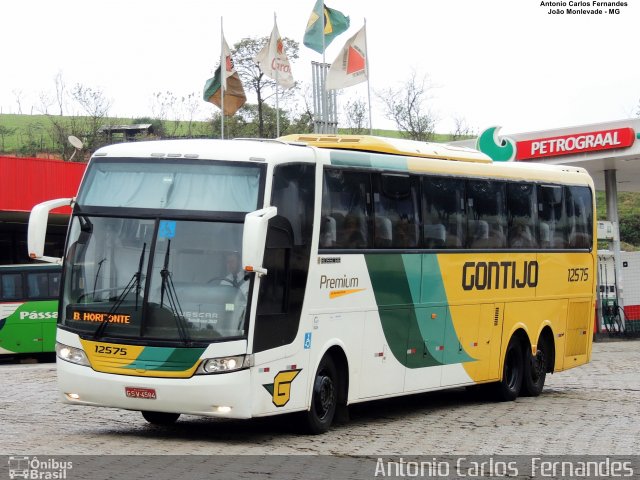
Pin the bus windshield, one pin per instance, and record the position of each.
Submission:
(170, 280)
(162, 184)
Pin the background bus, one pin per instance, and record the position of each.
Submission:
(372, 268)
(28, 308)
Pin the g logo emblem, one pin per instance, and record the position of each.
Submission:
(280, 389)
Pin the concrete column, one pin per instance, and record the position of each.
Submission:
(611, 192)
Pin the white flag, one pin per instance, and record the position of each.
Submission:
(273, 62)
(350, 66)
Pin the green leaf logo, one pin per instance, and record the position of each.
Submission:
(500, 149)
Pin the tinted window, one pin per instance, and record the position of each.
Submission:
(552, 217)
(12, 286)
(579, 217)
(54, 284)
(397, 211)
(445, 221)
(521, 215)
(486, 214)
(345, 219)
(38, 285)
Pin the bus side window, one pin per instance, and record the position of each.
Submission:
(54, 284)
(521, 215)
(37, 285)
(552, 217)
(486, 214)
(12, 286)
(346, 207)
(444, 217)
(397, 211)
(579, 217)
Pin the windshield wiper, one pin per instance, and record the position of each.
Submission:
(172, 298)
(134, 282)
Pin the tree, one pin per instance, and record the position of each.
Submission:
(356, 116)
(460, 128)
(96, 106)
(60, 92)
(4, 132)
(406, 107)
(253, 80)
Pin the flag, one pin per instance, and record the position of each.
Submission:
(273, 62)
(333, 25)
(234, 96)
(350, 66)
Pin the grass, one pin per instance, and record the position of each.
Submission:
(17, 131)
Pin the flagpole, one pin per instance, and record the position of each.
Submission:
(223, 73)
(366, 66)
(275, 25)
(325, 94)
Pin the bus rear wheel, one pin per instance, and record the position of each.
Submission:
(160, 418)
(324, 398)
(535, 370)
(509, 387)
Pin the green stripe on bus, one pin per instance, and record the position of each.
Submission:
(359, 159)
(412, 304)
(166, 359)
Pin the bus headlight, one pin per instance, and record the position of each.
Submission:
(71, 354)
(223, 364)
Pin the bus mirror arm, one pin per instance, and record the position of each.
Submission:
(37, 230)
(254, 237)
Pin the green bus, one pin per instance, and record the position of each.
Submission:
(28, 308)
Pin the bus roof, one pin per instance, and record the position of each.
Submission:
(259, 150)
(394, 146)
(350, 150)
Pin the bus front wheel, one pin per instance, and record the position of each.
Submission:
(512, 372)
(324, 398)
(160, 418)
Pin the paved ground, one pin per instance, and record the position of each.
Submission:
(593, 409)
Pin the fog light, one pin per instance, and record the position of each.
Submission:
(223, 409)
(73, 396)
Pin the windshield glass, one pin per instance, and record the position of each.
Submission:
(160, 184)
(157, 279)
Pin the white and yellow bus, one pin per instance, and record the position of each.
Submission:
(244, 278)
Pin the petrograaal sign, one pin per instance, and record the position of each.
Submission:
(505, 149)
(575, 143)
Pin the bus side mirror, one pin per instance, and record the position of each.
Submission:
(37, 230)
(254, 237)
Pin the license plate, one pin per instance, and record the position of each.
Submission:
(135, 392)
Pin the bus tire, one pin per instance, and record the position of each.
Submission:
(324, 397)
(160, 418)
(535, 369)
(509, 387)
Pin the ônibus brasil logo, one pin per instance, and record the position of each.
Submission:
(34, 468)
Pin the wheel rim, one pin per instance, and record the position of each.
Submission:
(537, 365)
(324, 398)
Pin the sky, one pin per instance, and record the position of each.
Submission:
(489, 62)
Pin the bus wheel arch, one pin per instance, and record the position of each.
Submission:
(329, 391)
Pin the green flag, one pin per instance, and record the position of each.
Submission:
(334, 24)
(234, 96)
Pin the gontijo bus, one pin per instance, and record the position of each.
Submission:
(28, 308)
(374, 268)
